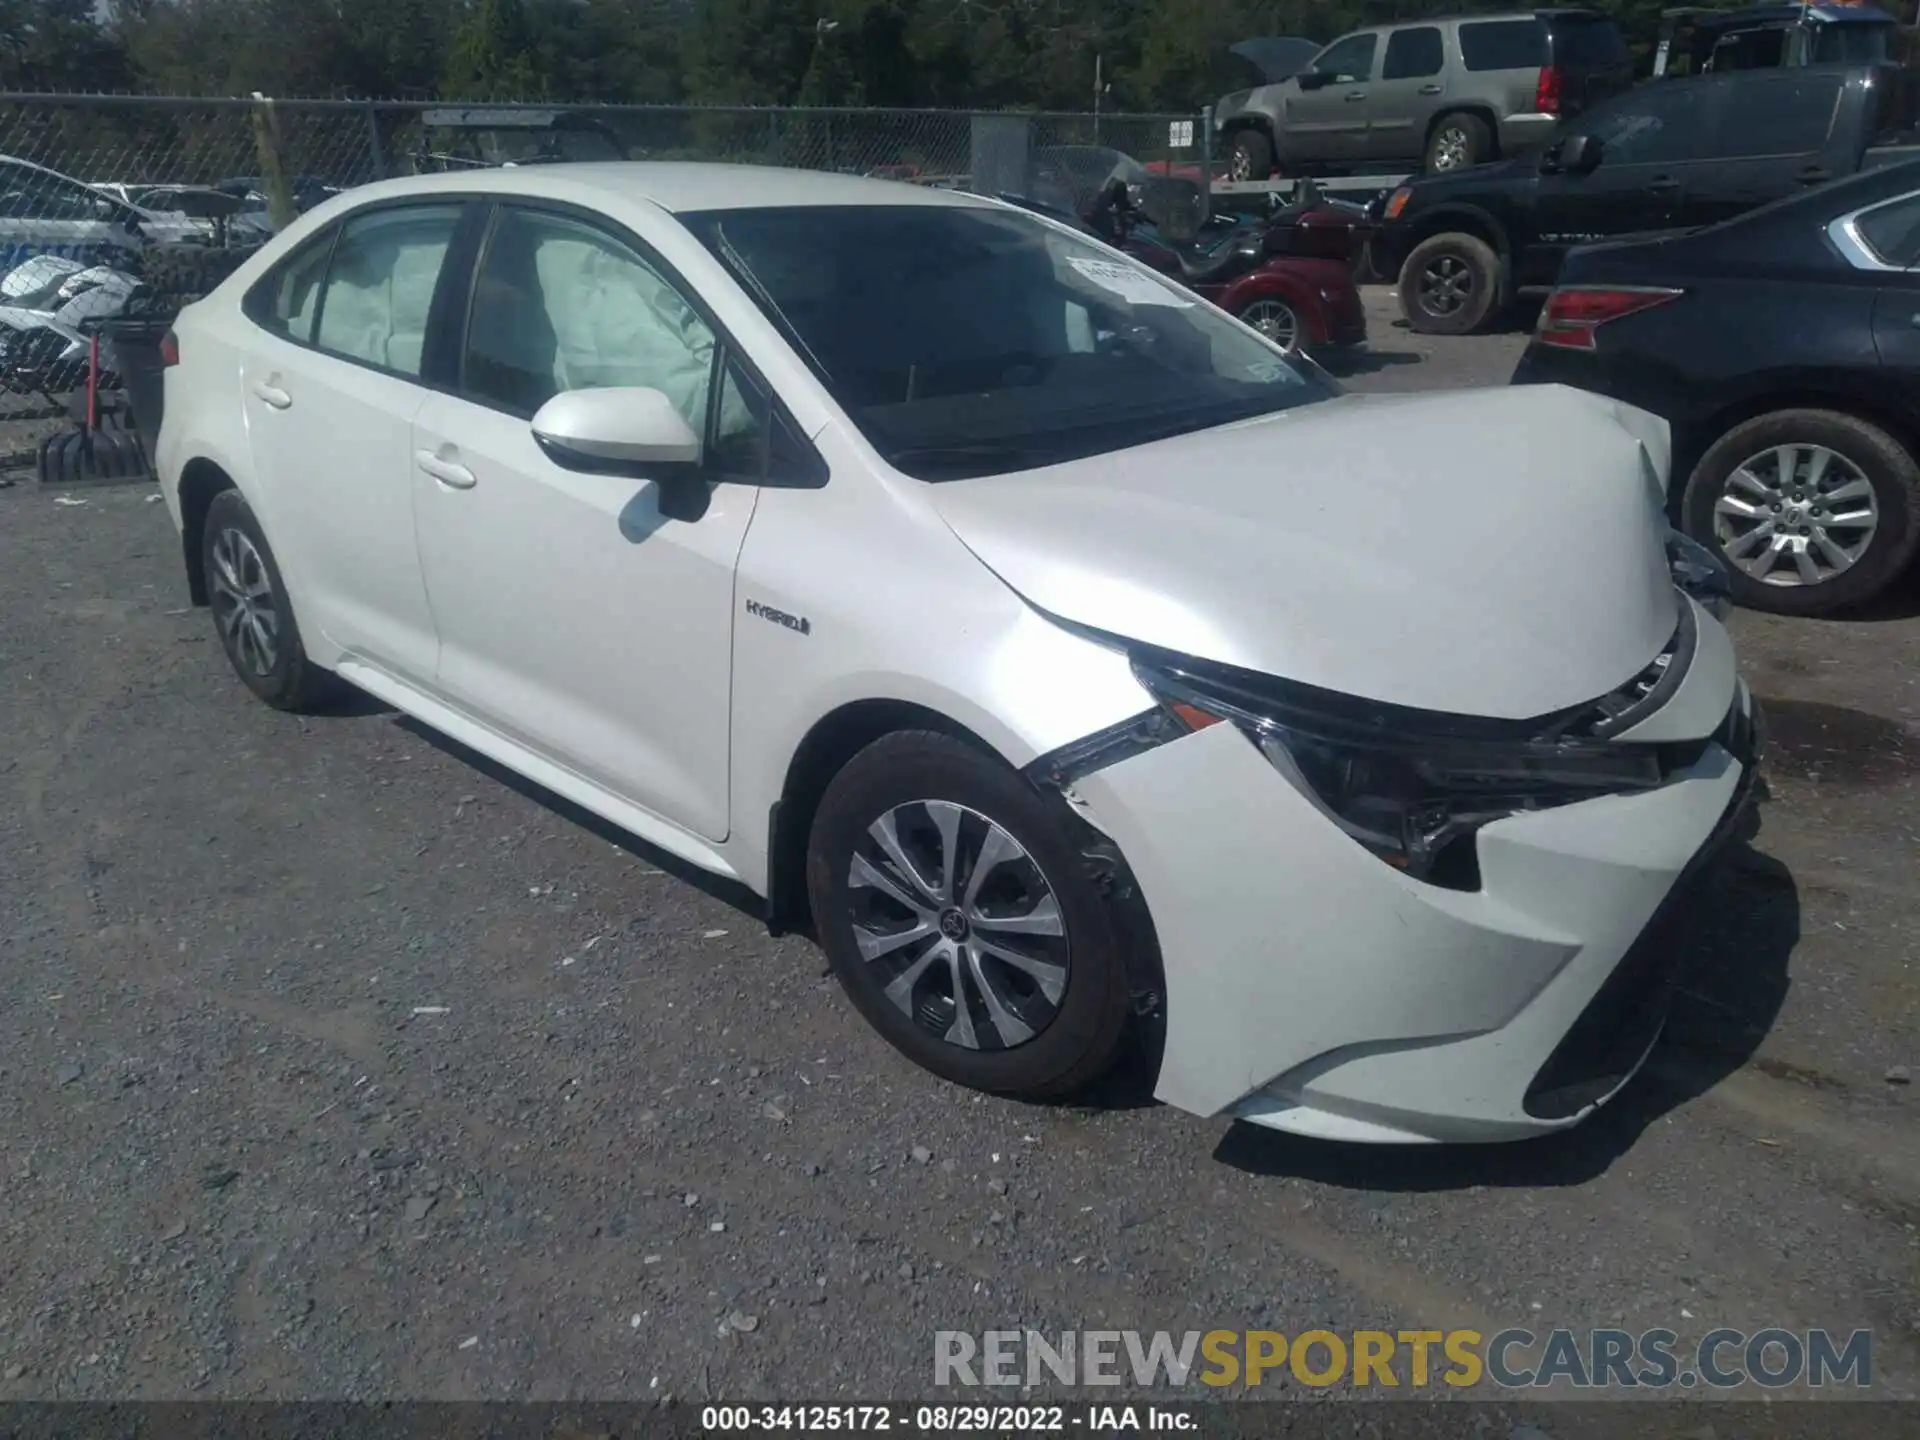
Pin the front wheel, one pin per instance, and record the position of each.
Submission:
(1813, 510)
(1277, 320)
(1449, 284)
(1251, 157)
(963, 921)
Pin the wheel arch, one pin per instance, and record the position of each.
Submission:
(1460, 219)
(1692, 440)
(201, 480)
(834, 739)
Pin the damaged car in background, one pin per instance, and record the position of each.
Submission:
(1075, 665)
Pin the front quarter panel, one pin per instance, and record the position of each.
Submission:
(857, 591)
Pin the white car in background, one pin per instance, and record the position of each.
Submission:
(1067, 659)
(43, 212)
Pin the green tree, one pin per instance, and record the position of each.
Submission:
(490, 54)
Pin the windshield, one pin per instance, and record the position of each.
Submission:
(967, 340)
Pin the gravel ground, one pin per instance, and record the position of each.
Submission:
(336, 1063)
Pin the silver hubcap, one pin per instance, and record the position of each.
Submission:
(961, 923)
(1450, 149)
(243, 603)
(1275, 320)
(1445, 285)
(1796, 515)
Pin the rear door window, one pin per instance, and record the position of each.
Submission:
(1504, 45)
(1785, 114)
(288, 299)
(1413, 54)
(380, 285)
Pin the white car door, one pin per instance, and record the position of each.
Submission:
(574, 616)
(331, 386)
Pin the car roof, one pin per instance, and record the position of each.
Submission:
(676, 186)
(1572, 12)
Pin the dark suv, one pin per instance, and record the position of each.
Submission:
(1675, 154)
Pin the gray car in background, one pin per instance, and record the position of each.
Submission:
(1439, 94)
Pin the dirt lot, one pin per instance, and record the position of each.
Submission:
(334, 1063)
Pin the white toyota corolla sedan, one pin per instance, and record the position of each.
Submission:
(1069, 661)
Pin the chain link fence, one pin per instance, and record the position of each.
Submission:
(145, 142)
(227, 172)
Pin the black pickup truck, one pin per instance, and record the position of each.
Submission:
(1670, 155)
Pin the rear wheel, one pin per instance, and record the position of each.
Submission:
(960, 917)
(1449, 284)
(1457, 142)
(1812, 510)
(251, 611)
(1278, 321)
(1251, 157)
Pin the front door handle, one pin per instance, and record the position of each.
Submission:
(449, 473)
(1663, 183)
(1355, 95)
(272, 395)
(1430, 89)
(1813, 174)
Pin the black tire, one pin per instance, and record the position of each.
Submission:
(1453, 267)
(110, 455)
(1250, 157)
(185, 272)
(1881, 460)
(1457, 141)
(1087, 1027)
(291, 681)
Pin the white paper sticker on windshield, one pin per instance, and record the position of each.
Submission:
(1128, 283)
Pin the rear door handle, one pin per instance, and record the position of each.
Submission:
(1355, 95)
(1430, 89)
(1812, 174)
(449, 473)
(1663, 182)
(273, 395)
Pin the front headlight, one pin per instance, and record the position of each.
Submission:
(1411, 786)
(1699, 574)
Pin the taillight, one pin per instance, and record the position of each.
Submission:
(1574, 312)
(1546, 94)
(169, 349)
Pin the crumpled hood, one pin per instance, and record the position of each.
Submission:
(1489, 552)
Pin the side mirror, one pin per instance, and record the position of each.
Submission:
(1578, 154)
(1314, 79)
(626, 430)
(615, 428)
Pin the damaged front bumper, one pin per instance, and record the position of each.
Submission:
(1311, 988)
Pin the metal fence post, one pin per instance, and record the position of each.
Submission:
(374, 147)
(1205, 141)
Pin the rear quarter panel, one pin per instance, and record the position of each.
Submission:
(1732, 348)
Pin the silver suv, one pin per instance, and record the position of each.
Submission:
(1442, 94)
